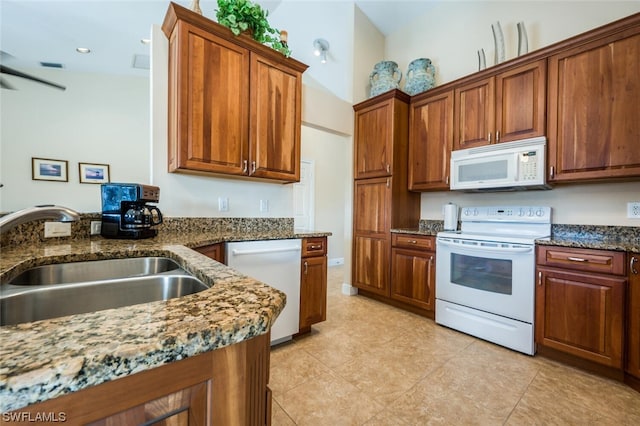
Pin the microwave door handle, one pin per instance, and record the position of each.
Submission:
(478, 247)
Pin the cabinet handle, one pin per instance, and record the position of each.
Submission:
(413, 241)
(632, 265)
(244, 166)
(577, 259)
(539, 278)
(316, 247)
(446, 180)
(489, 137)
(387, 182)
(552, 171)
(388, 168)
(306, 267)
(253, 167)
(498, 136)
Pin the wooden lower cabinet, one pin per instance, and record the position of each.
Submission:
(313, 283)
(633, 323)
(578, 312)
(413, 270)
(214, 251)
(371, 264)
(227, 386)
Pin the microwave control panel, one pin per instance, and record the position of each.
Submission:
(528, 165)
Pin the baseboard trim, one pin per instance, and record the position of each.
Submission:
(349, 290)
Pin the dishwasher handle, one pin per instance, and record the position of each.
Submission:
(237, 252)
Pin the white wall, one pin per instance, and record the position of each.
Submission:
(451, 34)
(98, 119)
(331, 180)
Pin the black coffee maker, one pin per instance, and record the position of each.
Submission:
(126, 212)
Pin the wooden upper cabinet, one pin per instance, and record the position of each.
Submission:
(474, 114)
(594, 113)
(234, 104)
(379, 123)
(372, 207)
(521, 102)
(502, 108)
(208, 102)
(276, 113)
(430, 142)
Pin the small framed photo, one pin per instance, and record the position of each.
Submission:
(93, 173)
(48, 169)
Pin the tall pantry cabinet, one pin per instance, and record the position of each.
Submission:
(381, 199)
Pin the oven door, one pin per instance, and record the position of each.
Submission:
(494, 277)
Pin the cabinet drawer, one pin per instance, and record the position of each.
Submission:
(606, 262)
(315, 246)
(413, 241)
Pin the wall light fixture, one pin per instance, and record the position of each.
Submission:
(320, 48)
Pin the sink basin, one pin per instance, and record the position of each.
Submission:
(47, 296)
(75, 272)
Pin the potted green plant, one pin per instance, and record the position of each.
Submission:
(242, 16)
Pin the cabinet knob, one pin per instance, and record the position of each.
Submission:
(632, 265)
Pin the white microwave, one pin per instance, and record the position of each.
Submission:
(508, 166)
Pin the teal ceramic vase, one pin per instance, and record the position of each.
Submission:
(421, 76)
(384, 77)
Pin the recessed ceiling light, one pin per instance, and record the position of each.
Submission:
(83, 50)
(145, 41)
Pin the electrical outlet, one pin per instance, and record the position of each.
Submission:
(57, 229)
(633, 210)
(223, 204)
(264, 206)
(96, 227)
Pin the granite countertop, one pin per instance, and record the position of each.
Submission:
(414, 231)
(619, 244)
(622, 238)
(49, 358)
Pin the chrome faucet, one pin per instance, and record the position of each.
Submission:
(48, 211)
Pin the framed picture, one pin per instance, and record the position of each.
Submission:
(47, 169)
(93, 173)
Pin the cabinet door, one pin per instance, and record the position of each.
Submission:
(183, 408)
(413, 277)
(371, 264)
(594, 119)
(313, 291)
(374, 140)
(209, 103)
(430, 142)
(372, 208)
(633, 321)
(581, 314)
(276, 111)
(214, 251)
(521, 102)
(474, 114)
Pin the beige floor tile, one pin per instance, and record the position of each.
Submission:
(294, 366)
(328, 400)
(279, 417)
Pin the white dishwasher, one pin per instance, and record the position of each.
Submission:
(276, 263)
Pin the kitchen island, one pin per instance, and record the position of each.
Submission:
(47, 359)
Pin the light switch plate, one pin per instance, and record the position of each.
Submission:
(264, 206)
(96, 227)
(57, 229)
(223, 204)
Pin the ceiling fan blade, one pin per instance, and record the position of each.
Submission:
(6, 70)
(4, 84)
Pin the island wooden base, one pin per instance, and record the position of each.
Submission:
(227, 386)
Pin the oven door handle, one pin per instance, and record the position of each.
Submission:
(486, 249)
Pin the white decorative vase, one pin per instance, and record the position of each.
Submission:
(523, 41)
(498, 40)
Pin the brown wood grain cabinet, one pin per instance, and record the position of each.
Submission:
(235, 106)
(633, 322)
(227, 386)
(214, 251)
(430, 141)
(594, 118)
(413, 270)
(313, 283)
(508, 106)
(382, 200)
(580, 303)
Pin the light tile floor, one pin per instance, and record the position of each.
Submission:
(372, 364)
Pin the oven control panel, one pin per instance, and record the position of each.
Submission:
(507, 214)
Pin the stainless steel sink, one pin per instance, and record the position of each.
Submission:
(75, 272)
(47, 295)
